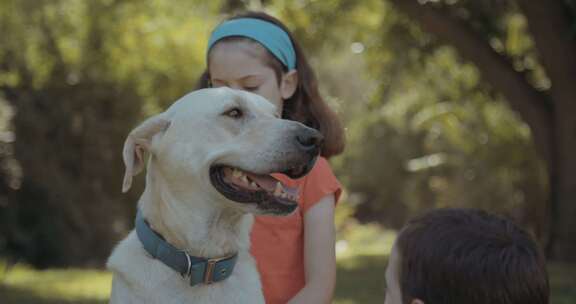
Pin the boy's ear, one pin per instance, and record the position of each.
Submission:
(137, 143)
(289, 84)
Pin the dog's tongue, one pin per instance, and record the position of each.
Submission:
(268, 183)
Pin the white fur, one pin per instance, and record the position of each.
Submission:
(180, 203)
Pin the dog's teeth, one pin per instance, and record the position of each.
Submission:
(244, 178)
(253, 184)
(278, 190)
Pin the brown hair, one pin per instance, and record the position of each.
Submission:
(306, 105)
(470, 256)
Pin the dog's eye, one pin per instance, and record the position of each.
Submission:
(234, 113)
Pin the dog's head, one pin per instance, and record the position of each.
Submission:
(224, 144)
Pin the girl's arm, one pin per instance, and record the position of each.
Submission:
(319, 254)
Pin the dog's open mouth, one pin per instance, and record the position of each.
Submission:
(268, 193)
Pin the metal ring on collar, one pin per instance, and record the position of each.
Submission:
(189, 268)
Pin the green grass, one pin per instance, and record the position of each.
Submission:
(361, 264)
(563, 283)
(21, 284)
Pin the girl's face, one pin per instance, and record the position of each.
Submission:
(241, 65)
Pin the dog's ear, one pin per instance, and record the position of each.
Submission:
(137, 143)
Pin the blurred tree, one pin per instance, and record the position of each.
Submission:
(547, 105)
(426, 129)
(79, 75)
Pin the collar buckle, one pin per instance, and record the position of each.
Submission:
(210, 265)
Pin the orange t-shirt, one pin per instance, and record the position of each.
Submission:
(278, 242)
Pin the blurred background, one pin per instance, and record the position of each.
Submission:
(463, 103)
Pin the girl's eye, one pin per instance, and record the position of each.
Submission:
(234, 113)
(251, 89)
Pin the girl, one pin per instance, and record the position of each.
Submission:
(295, 254)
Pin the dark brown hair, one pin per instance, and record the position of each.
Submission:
(306, 105)
(470, 256)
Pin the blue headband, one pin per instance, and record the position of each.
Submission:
(271, 36)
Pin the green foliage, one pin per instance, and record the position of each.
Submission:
(432, 134)
(85, 74)
(423, 128)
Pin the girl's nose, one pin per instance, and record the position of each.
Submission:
(235, 86)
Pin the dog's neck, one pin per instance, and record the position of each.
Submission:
(195, 224)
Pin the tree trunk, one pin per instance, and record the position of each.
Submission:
(562, 242)
(550, 29)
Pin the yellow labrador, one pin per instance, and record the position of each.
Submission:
(211, 156)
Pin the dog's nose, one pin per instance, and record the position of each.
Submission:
(309, 140)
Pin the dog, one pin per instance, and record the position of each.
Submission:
(208, 174)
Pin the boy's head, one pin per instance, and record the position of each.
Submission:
(465, 256)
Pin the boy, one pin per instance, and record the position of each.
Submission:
(450, 256)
